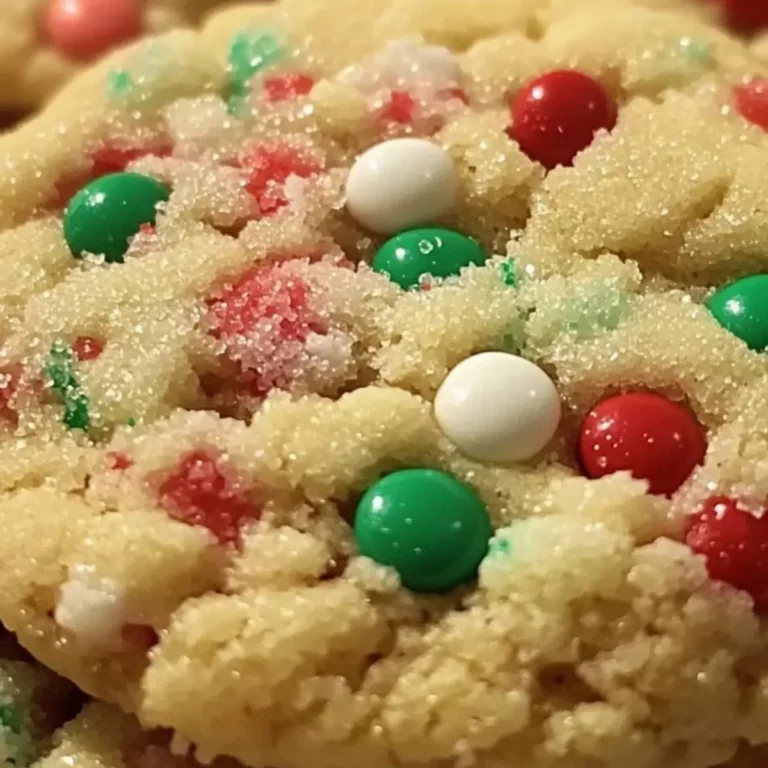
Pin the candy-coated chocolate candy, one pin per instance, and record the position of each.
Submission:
(400, 184)
(498, 407)
(745, 15)
(742, 308)
(751, 99)
(645, 434)
(85, 29)
(556, 116)
(430, 251)
(103, 216)
(432, 529)
(734, 542)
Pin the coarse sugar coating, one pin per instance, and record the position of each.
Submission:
(401, 402)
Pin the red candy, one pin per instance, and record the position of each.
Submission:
(400, 108)
(288, 86)
(119, 461)
(645, 434)
(557, 115)
(84, 29)
(735, 544)
(197, 493)
(752, 101)
(745, 15)
(271, 165)
(87, 348)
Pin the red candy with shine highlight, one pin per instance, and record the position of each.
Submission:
(556, 116)
(270, 166)
(751, 100)
(645, 434)
(85, 29)
(197, 493)
(735, 544)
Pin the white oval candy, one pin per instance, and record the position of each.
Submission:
(498, 407)
(400, 184)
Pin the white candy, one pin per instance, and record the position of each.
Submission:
(498, 408)
(401, 184)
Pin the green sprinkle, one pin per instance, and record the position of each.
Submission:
(61, 371)
(76, 412)
(509, 273)
(60, 368)
(14, 735)
(11, 718)
(119, 83)
(132, 422)
(249, 53)
(698, 50)
(598, 313)
(500, 546)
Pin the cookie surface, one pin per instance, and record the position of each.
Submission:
(270, 476)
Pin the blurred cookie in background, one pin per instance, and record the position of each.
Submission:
(44, 42)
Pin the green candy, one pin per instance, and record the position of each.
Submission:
(104, 215)
(439, 252)
(742, 309)
(432, 529)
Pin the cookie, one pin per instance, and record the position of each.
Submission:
(102, 736)
(399, 401)
(45, 42)
(33, 703)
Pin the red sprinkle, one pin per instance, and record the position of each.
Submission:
(197, 493)
(87, 348)
(752, 101)
(265, 292)
(271, 165)
(119, 461)
(735, 544)
(556, 116)
(456, 93)
(400, 108)
(288, 86)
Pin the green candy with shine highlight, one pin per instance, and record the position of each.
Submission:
(439, 252)
(432, 529)
(742, 309)
(104, 215)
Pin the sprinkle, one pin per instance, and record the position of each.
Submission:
(61, 371)
(508, 273)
